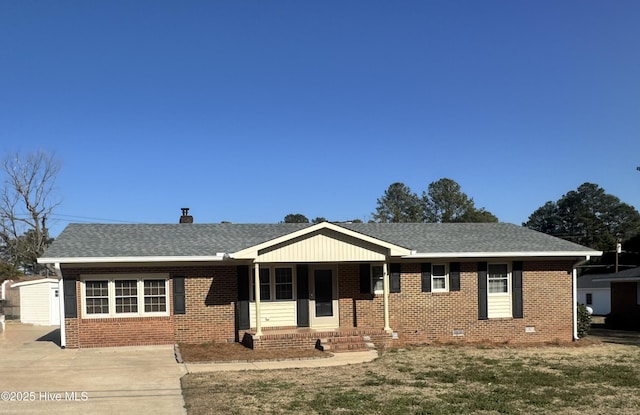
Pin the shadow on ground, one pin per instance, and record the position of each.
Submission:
(605, 335)
(53, 337)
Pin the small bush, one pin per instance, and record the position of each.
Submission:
(584, 321)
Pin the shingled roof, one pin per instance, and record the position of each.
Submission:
(210, 240)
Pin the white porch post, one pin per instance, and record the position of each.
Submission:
(385, 289)
(256, 290)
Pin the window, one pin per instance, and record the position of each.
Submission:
(279, 288)
(377, 279)
(97, 297)
(498, 278)
(121, 296)
(439, 278)
(499, 299)
(126, 296)
(589, 299)
(284, 284)
(155, 296)
(265, 284)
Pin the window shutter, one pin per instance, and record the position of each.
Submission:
(242, 312)
(516, 275)
(454, 276)
(425, 269)
(394, 278)
(302, 302)
(70, 299)
(179, 306)
(365, 279)
(482, 291)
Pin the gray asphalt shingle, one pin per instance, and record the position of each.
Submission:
(107, 240)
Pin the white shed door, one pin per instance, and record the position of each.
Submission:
(54, 308)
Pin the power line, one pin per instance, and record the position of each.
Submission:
(86, 219)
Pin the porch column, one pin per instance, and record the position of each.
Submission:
(385, 290)
(256, 290)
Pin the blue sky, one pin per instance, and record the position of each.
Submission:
(246, 111)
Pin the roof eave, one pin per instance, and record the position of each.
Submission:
(521, 254)
(136, 259)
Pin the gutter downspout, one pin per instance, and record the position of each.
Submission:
(63, 331)
(574, 273)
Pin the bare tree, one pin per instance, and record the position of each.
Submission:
(27, 199)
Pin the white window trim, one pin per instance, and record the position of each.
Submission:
(446, 279)
(111, 278)
(272, 284)
(508, 293)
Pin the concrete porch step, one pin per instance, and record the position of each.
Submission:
(345, 344)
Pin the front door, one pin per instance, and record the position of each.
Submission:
(324, 304)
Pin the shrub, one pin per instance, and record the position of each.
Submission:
(584, 321)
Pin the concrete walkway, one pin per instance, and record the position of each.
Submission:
(338, 359)
(37, 377)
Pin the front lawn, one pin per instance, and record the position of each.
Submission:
(596, 379)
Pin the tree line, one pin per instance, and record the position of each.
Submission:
(587, 216)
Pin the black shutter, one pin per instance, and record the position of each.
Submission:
(425, 269)
(394, 278)
(516, 275)
(243, 297)
(179, 306)
(454, 276)
(365, 279)
(482, 291)
(70, 299)
(302, 304)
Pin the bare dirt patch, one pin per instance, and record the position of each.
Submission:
(235, 352)
(597, 378)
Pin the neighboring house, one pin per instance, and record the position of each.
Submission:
(39, 301)
(625, 296)
(595, 293)
(390, 282)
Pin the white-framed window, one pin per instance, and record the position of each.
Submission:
(96, 294)
(499, 291)
(439, 278)
(377, 279)
(278, 288)
(498, 275)
(125, 295)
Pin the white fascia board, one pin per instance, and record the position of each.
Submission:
(33, 282)
(560, 254)
(120, 259)
(252, 251)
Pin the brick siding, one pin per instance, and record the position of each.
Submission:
(417, 317)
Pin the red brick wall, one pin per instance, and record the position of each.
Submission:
(211, 294)
(417, 317)
(210, 311)
(420, 317)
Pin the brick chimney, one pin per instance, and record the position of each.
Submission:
(186, 218)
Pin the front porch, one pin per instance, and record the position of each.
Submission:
(334, 340)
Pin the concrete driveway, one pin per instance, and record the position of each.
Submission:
(36, 376)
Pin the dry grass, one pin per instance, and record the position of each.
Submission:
(594, 379)
(233, 352)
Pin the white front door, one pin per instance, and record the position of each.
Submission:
(54, 307)
(323, 304)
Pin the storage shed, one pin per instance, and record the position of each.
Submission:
(39, 302)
